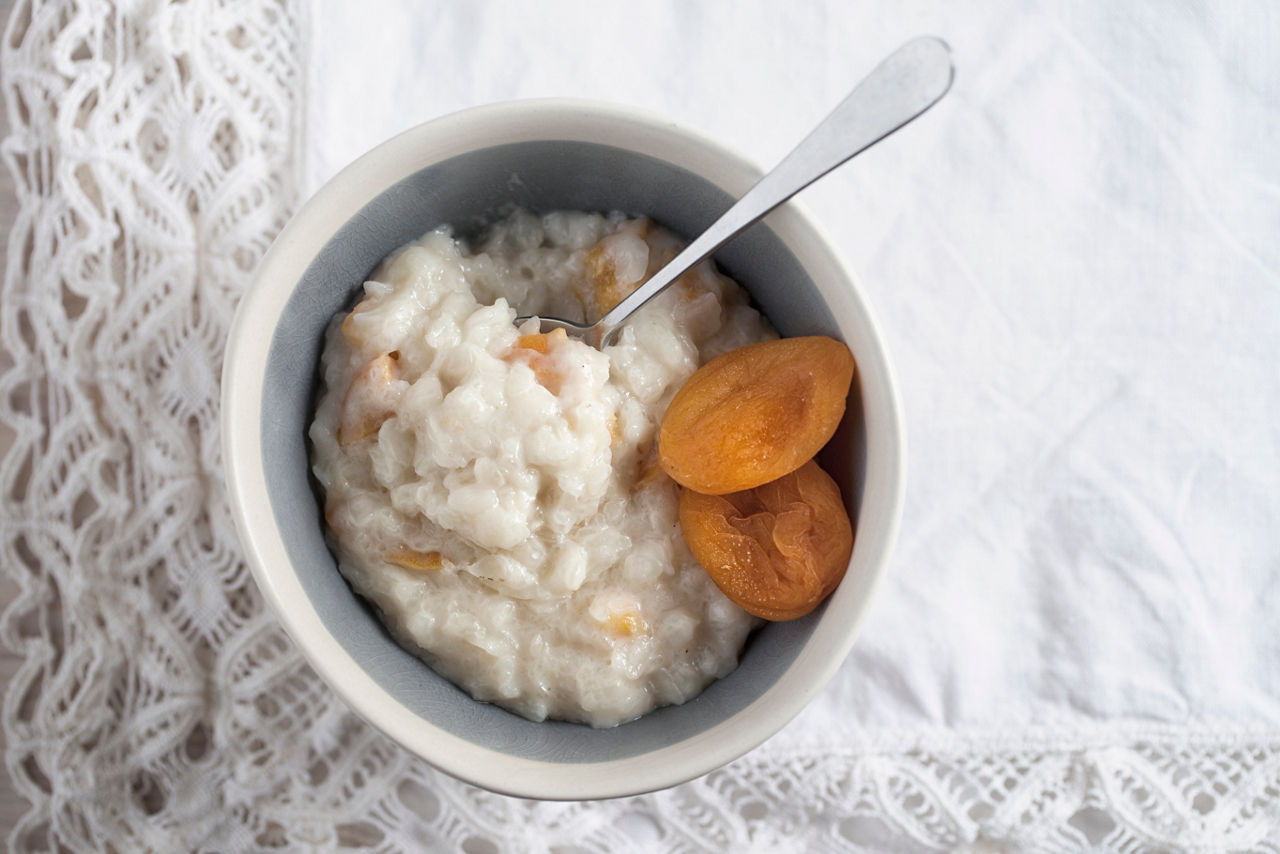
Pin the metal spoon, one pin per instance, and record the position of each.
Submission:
(909, 81)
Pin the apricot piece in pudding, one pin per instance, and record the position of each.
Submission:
(776, 550)
(755, 413)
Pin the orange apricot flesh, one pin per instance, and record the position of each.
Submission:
(369, 400)
(776, 550)
(755, 413)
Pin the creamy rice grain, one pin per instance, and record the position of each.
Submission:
(496, 493)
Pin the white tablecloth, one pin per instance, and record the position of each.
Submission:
(1075, 265)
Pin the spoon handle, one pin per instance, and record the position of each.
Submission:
(908, 82)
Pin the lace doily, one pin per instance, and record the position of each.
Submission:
(159, 707)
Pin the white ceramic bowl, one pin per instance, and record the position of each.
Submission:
(462, 169)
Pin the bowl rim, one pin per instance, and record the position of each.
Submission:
(243, 377)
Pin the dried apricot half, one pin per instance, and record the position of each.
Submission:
(776, 550)
(755, 413)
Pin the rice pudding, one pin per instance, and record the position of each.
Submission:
(495, 492)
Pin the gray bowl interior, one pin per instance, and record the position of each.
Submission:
(468, 191)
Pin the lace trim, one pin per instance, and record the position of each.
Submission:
(159, 707)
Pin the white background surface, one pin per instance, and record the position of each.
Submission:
(1075, 264)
